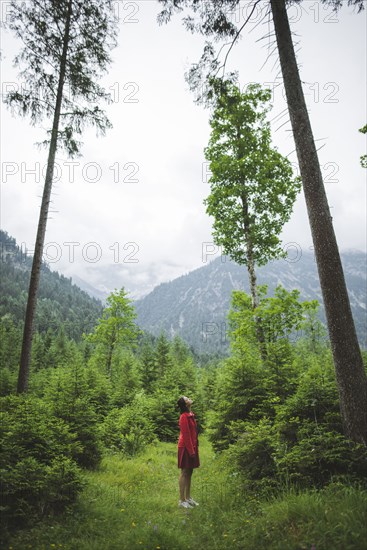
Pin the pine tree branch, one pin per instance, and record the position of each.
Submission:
(236, 37)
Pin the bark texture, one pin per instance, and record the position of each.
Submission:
(350, 374)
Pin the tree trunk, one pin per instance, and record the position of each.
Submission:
(111, 346)
(23, 375)
(109, 360)
(252, 277)
(251, 271)
(255, 302)
(350, 375)
(249, 251)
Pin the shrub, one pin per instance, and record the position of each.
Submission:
(8, 381)
(318, 456)
(241, 394)
(82, 420)
(321, 455)
(165, 416)
(129, 429)
(72, 398)
(38, 473)
(252, 455)
(315, 399)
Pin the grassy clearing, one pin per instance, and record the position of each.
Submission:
(132, 504)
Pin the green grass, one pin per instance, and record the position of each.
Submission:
(132, 504)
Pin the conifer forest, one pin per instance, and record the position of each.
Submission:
(183, 225)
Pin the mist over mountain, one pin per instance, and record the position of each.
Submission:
(89, 289)
(195, 306)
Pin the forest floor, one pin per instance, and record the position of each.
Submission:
(133, 504)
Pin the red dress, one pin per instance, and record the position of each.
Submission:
(188, 445)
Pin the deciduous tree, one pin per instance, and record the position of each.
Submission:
(252, 186)
(115, 329)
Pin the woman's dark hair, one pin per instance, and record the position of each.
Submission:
(181, 404)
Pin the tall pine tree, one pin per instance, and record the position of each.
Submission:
(66, 45)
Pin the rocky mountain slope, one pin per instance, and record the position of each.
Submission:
(195, 306)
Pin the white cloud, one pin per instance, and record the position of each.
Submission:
(159, 141)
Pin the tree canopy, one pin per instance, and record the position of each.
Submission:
(252, 185)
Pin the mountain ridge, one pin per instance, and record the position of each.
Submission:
(195, 305)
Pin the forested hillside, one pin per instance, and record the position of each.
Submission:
(60, 303)
(195, 306)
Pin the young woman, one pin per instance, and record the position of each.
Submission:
(188, 451)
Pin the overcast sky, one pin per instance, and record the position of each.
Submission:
(132, 205)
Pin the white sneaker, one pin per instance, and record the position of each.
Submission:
(184, 504)
(192, 502)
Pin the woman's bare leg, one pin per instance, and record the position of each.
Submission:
(182, 483)
(188, 483)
